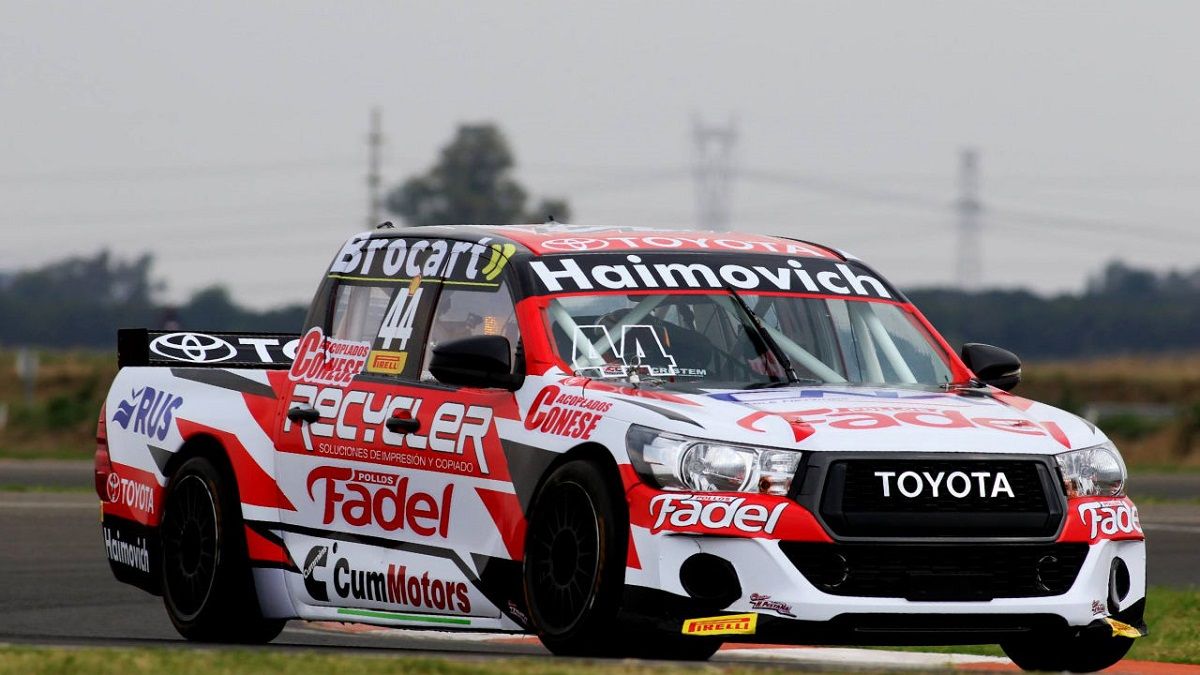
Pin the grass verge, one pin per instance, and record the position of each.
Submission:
(38, 660)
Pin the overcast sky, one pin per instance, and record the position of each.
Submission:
(228, 138)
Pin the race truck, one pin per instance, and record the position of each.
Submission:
(628, 442)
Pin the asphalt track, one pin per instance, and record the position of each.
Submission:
(55, 586)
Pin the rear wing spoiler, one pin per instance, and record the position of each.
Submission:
(144, 347)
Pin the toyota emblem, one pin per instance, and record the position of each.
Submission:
(192, 348)
(114, 487)
(575, 244)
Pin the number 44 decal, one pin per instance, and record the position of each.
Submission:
(398, 324)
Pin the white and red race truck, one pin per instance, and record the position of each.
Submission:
(629, 442)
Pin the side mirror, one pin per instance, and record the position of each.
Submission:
(993, 365)
(476, 361)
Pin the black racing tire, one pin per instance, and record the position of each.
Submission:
(574, 573)
(574, 566)
(208, 588)
(1082, 652)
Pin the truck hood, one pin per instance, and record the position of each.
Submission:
(861, 418)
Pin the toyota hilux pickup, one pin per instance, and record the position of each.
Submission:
(628, 442)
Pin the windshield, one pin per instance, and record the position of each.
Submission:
(708, 340)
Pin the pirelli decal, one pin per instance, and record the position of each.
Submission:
(733, 624)
(386, 363)
(767, 273)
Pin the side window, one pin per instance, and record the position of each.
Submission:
(391, 317)
(463, 311)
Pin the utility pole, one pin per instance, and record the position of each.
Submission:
(969, 270)
(712, 172)
(374, 158)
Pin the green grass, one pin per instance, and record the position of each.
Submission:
(13, 487)
(36, 660)
(54, 452)
(1173, 616)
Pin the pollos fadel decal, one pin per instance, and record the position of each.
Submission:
(193, 347)
(322, 360)
(880, 417)
(398, 585)
(713, 512)
(957, 484)
(381, 499)
(554, 412)
(1110, 518)
(151, 411)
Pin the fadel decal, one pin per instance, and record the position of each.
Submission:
(382, 499)
(879, 417)
(957, 484)
(733, 624)
(358, 416)
(554, 412)
(1110, 518)
(135, 555)
(764, 602)
(150, 410)
(713, 512)
(398, 585)
(322, 360)
(193, 347)
(601, 271)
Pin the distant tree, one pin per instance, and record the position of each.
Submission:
(471, 183)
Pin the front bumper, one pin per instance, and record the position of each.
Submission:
(793, 610)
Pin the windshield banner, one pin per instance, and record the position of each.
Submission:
(762, 273)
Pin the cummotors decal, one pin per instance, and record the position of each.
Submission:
(399, 585)
(360, 498)
(567, 274)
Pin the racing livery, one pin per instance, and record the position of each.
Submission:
(629, 442)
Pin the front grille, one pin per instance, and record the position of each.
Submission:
(946, 572)
(893, 497)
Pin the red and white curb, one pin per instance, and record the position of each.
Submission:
(832, 658)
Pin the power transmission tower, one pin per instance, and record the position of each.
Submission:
(713, 173)
(374, 158)
(969, 270)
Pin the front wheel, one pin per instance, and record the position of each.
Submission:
(207, 585)
(1082, 652)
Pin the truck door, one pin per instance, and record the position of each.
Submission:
(384, 469)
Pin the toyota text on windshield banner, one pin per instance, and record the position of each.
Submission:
(764, 273)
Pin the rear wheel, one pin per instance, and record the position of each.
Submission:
(208, 588)
(1083, 652)
(575, 549)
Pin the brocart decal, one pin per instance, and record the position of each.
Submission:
(397, 585)
(398, 258)
(361, 498)
(713, 512)
(957, 484)
(733, 624)
(1110, 518)
(151, 411)
(566, 274)
(764, 602)
(322, 360)
(554, 412)
(357, 417)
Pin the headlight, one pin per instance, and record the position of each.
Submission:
(675, 462)
(1097, 471)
